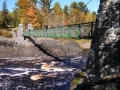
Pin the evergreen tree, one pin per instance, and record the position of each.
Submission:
(66, 14)
(83, 7)
(66, 9)
(45, 5)
(15, 20)
(5, 19)
(74, 12)
(0, 19)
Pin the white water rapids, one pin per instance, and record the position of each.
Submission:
(13, 77)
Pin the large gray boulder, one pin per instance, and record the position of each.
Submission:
(103, 66)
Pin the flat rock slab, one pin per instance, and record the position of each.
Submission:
(85, 45)
(60, 48)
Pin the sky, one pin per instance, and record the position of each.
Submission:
(93, 5)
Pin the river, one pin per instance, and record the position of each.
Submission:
(15, 73)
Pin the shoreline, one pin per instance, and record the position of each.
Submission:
(60, 48)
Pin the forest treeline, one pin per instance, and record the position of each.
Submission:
(40, 13)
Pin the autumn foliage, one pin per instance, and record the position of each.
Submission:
(27, 13)
(39, 13)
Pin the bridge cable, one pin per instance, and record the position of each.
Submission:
(86, 6)
(88, 3)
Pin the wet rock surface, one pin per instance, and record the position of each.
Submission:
(56, 47)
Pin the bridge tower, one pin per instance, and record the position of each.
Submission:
(20, 38)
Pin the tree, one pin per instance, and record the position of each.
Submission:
(40, 18)
(45, 5)
(79, 13)
(74, 5)
(32, 16)
(83, 7)
(23, 6)
(27, 12)
(93, 15)
(88, 17)
(34, 2)
(66, 14)
(5, 19)
(58, 13)
(74, 12)
(0, 18)
(15, 20)
(66, 9)
(57, 9)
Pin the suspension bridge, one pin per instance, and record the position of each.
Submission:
(76, 31)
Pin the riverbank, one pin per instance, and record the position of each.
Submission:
(60, 48)
(24, 63)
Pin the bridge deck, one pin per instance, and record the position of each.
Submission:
(75, 31)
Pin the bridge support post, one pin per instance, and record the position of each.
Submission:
(30, 27)
(20, 38)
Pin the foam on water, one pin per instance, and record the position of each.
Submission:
(66, 66)
(63, 71)
(17, 71)
(23, 69)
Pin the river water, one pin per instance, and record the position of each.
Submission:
(15, 74)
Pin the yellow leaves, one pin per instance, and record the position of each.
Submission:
(57, 14)
(36, 25)
(76, 16)
(90, 17)
(27, 12)
(21, 20)
(57, 9)
(32, 15)
(87, 17)
(23, 4)
(74, 11)
(31, 11)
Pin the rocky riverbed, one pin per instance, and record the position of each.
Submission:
(20, 63)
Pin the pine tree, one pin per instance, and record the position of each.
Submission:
(0, 19)
(45, 7)
(15, 19)
(5, 19)
(74, 12)
(66, 15)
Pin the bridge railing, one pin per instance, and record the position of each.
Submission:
(71, 31)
